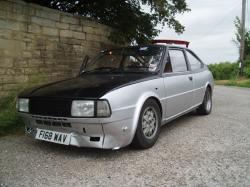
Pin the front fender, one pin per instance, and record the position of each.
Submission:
(142, 99)
(126, 103)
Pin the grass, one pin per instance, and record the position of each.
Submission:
(10, 121)
(240, 82)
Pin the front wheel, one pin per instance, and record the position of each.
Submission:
(206, 107)
(148, 127)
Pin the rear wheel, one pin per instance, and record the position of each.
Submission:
(206, 107)
(148, 127)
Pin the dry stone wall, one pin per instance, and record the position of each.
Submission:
(36, 40)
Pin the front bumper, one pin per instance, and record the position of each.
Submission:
(84, 132)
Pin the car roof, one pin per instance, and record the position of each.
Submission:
(150, 45)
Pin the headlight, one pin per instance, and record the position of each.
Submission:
(23, 105)
(82, 108)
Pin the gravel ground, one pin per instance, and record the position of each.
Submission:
(194, 150)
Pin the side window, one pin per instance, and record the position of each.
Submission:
(178, 61)
(194, 62)
(168, 66)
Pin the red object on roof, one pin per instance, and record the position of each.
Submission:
(179, 42)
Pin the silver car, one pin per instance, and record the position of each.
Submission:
(121, 97)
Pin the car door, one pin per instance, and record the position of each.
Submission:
(178, 82)
(199, 77)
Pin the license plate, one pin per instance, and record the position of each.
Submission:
(53, 136)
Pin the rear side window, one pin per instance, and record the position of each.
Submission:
(193, 61)
(178, 61)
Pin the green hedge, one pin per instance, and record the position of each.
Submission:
(224, 71)
(247, 69)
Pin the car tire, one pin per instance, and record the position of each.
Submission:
(148, 127)
(206, 107)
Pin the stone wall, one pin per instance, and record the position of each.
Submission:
(36, 40)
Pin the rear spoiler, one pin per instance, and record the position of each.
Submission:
(178, 42)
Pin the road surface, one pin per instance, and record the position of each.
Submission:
(194, 150)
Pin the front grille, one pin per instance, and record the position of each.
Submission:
(53, 123)
(50, 107)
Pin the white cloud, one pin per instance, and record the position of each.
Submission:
(210, 29)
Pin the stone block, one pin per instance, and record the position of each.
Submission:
(3, 93)
(94, 30)
(39, 43)
(10, 71)
(50, 31)
(72, 34)
(36, 54)
(2, 71)
(71, 41)
(78, 47)
(92, 44)
(88, 29)
(89, 23)
(50, 62)
(10, 24)
(20, 63)
(9, 87)
(21, 78)
(60, 25)
(75, 27)
(47, 54)
(34, 28)
(70, 19)
(45, 70)
(51, 46)
(43, 21)
(35, 62)
(6, 62)
(31, 71)
(66, 33)
(7, 53)
(12, 16)
(79, 35)
(6, 6)
(8, 79)
(19, 8)
(17, 35)
(5, 33)
(52, 15)
(26, 54)
(93, 37)
(29, 45)
(52, 38)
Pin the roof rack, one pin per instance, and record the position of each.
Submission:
(179, 42)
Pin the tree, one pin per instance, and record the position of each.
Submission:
(131, 22)
(237, 39)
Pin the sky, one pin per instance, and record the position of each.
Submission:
(209, 27)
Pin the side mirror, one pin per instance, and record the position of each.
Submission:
(84, 64)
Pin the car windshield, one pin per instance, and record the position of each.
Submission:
(131, 59)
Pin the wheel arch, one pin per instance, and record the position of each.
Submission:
(139, 105)
(210, 87)
(158, 102)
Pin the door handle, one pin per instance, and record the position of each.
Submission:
(190, 78)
